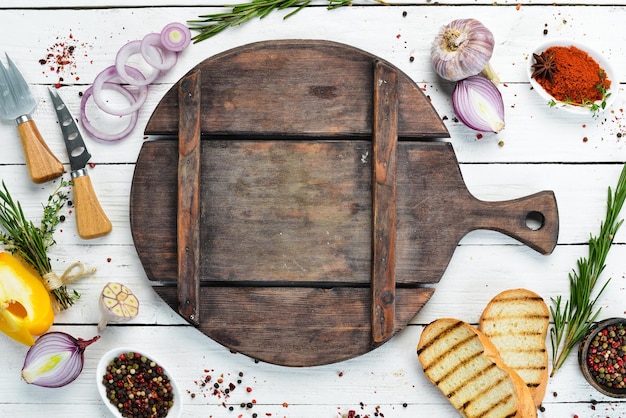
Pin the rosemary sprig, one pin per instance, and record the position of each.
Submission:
(212, 24)
(22, 237)
(573, 319)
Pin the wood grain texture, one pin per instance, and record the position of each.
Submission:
(300, 212)
(41, 163)
(384, 190)
(91, 220)
(305, 88)
(541, 148)
(296, 326)
(188, 208)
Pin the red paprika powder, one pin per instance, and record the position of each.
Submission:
(576, 77)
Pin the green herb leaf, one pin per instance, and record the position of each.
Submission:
(31, 242)
(212, 24)
(573, 320)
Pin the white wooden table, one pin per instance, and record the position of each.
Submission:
(540, 149)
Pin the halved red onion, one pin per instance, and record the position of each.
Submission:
(56, 359)
(96, 133)
(125, 52)
(478, 104)
(109, 75)
(155, 54)
(175, 36)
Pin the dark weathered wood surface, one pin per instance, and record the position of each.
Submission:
(300, 326)
(385, 166)
(299, 173)
(287, 217)
(300, 212)
(188, 212)
(302, 88)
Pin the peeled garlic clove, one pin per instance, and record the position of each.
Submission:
(117, 304)
(463, 48)
(478, 103)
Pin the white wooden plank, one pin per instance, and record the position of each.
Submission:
(391, 378)
(541, 149)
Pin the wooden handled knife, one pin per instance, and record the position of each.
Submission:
(91, 221)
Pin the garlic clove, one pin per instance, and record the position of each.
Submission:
(117, 304)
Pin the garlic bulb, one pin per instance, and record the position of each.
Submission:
(117, 304)
(463, 48)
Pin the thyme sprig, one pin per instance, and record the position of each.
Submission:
(211, 24)
(31, 242)
(573, 319)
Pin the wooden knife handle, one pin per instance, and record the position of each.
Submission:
(42, 165)
(91, 221)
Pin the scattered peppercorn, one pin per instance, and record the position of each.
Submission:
(137, 386)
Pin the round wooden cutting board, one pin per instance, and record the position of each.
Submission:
(296, 205)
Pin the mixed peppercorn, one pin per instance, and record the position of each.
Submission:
(138, 386)
(606, 356)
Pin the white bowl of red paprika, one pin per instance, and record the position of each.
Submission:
(602, 357)
(572, 76)
(133, 383)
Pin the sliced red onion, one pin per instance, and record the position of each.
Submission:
(158, 50)
(175, 36)
(56, 359)
(155, 54)
(97, 133)
(109, 75)
(125, 52)
(478, 104)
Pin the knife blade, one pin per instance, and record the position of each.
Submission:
(17, 103)
(91, 220)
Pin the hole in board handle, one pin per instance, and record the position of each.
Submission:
(535, 220)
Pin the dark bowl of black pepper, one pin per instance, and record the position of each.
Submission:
(602, 357)
(134, 384)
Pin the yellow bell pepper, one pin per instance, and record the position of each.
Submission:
(25, 306)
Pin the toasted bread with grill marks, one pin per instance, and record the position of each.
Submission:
(466, 367)
(516, 321)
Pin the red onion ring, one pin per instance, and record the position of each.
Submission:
(155, 54)
(110, 74)
(175, 36)
(125, 52)
(94, 131)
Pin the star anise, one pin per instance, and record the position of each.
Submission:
(544, 66)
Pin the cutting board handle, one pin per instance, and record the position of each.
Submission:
(532, 220)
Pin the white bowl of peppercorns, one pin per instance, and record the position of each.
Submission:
(602, 357)
(134, 384)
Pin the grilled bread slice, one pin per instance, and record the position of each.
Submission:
(516, 321)
(466, 367)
